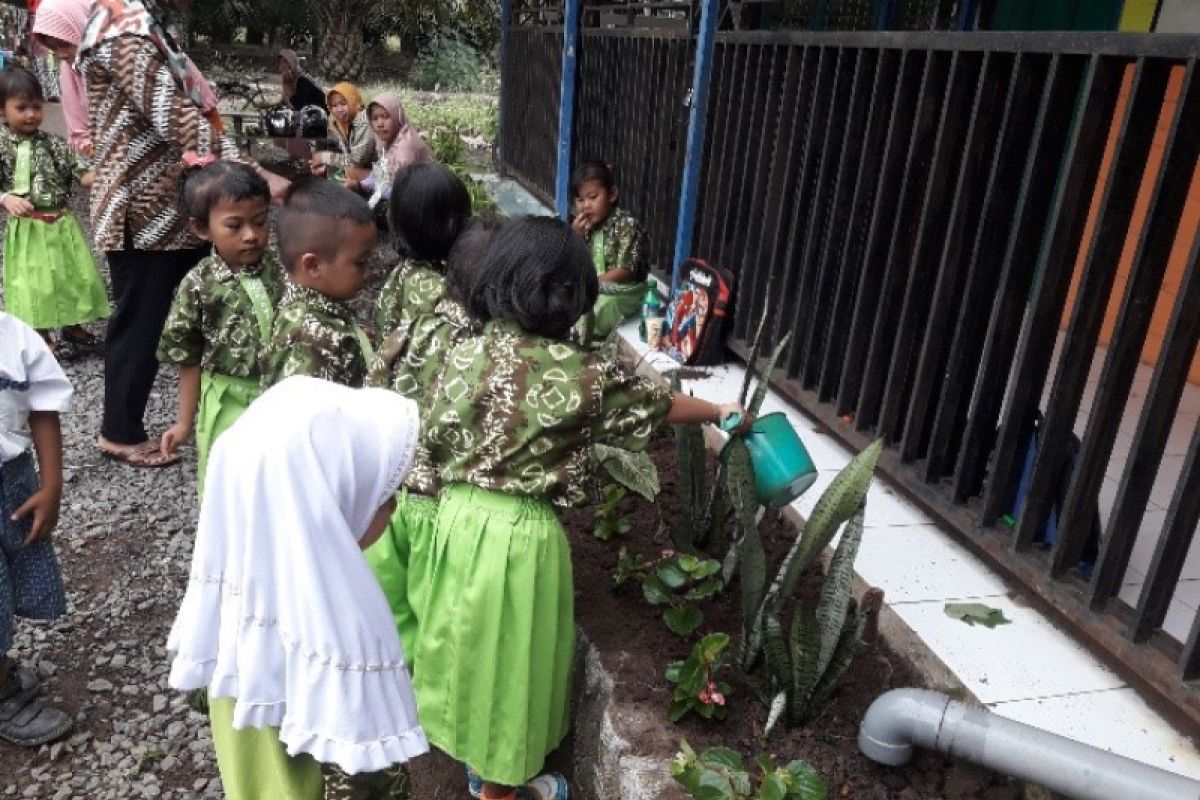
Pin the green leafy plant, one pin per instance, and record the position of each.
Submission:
(719, 774)
(609, 521)
(448, 63)
(680, 581)
(634, 471)
(631, 568)
(698, 687)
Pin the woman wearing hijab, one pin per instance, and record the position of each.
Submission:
(282, 621)
(397, 144)
(147, 113)
(59, 28)
(299, 88)
(351, 129)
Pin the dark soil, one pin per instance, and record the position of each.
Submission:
(636, 646)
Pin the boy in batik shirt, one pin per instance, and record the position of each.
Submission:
(326, 235)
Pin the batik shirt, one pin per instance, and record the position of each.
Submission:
(624, 244)
(357, 148)
(214, 322)
(409, 365)
(412, 290)
(54, 168)
(515, 413)
(314, 335)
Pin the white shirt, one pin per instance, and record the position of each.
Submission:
(30, 380)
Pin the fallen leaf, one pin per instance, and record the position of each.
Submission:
(972, 613)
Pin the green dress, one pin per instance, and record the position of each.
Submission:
(407, 363)
(50, 276)
(317, 336)
(618, 241)
(219, 321)
(511, 421)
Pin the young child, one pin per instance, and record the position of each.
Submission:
(50, 277)
(224, 308)
(397, 144)
(429, 209)
(33, 392)
(617, 243)
(326, 235)
(407, 363)
(282, 621)
(510, 424)
(351, 129)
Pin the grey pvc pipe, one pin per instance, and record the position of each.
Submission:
(903, 718)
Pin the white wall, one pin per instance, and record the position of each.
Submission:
(1179, 16)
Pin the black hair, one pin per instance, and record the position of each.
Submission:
(220, 180)
(312, 212)
(428, 210)
(468, 254)
(593, 171)
(16, 81)
(539, 274)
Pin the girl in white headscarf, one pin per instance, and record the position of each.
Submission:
(282, 620)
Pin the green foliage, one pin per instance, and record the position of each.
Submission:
(698, 688)
(609, 521)
(631, 568)
(976, 613)
(680, 581)
(447, 63)
(634, 471)
(719, 774)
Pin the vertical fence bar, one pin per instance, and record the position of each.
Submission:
(1060, 232)
(503, 112)
(1169, 187)
(695, 140)
(1102, 257)
(566, 108)
(1180, 527)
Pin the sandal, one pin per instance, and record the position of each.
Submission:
(79, 336)
(147, 455)
(26, 721)
(65, 350)
(547, 786)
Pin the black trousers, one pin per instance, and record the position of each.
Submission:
(143, 285)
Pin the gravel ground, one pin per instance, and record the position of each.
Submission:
(124, 541)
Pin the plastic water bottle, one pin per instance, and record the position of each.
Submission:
(651, 331)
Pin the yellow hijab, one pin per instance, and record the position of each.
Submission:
(353, 98)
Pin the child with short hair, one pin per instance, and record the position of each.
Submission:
(282, 621)
(224, 307)
(33, 392)
(407, 363)
(326, 235)
(430, 207)
(511, 423)
(617, 243)
(50, 277)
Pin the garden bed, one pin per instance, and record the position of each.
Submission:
(628, 640)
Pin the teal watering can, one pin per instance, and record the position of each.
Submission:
(783, 469)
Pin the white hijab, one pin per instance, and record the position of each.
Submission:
(281, 610)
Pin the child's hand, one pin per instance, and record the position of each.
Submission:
(174, 436)
(724, 410)
(43, 504)
(316, 167)
(17, 206)
(581, 224)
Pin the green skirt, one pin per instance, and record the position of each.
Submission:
(399, 559)
(616, 303)
(255, 765)
(50, 277)
(223, 398)
(497, 633)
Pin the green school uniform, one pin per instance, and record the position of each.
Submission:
(618, 241)
(412, 290)
(219, 321)
(511, 421)
(317, 336)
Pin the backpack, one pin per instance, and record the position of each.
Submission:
(694, 328)
(1047, 535)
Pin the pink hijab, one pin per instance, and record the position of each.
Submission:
(408, 147)
(66, 20)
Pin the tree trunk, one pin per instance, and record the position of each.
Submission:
(342, 51)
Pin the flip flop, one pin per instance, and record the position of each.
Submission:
(147, 455)
(86, 342)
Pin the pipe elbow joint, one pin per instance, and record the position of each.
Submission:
(897, 721)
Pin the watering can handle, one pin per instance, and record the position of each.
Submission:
(732, 421)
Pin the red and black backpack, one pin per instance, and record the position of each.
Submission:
(693, 331)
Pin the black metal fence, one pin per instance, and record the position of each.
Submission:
(912, 210)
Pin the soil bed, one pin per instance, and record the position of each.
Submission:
(635, 646)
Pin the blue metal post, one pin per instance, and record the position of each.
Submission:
(885, 13)
(566, 108)
(966, 14)
(505, 21)
(694, 156)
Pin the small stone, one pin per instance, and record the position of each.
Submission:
(119, 661)
(159, 703)
(99, 685)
